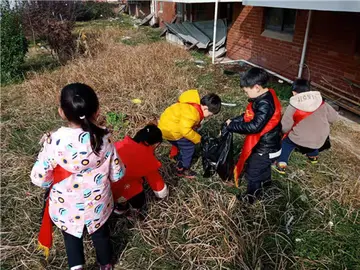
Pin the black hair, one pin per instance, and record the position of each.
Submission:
(149, 135)
(212, 101)
(80, 103)
(300, 86)
(254, 76)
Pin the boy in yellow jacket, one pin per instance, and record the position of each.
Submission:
(177, 124)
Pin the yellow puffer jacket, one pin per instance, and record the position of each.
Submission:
(178, 120)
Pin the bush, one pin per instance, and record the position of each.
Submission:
(86, 11)
(13, 44)
(53, 22)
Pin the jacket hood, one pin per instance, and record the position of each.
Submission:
(190, 96)
(307, 102)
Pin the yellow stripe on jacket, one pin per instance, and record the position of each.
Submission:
(178, 120)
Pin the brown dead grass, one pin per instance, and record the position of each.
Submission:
(201, 225)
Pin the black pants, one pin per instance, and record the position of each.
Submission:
(137, 202)
(75, 249)
(257, 173)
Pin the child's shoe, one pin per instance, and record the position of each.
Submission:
(77, 267)
(106, 267)
(120, 209)
(314, 159)
(186, 173)
(279, 167)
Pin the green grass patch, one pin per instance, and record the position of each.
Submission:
(141, 35)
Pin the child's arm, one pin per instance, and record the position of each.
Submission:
(42, 171)
(261, 117)
(187, 124)
(332, 115)
(157, 184)
(117, 168)
(287, 120)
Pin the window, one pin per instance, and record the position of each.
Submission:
(280, 20)
(161, 9)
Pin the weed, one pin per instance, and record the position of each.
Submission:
(117, 121)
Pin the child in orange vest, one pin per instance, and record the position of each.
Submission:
(141, 165)
(261, 125)
(305, 123)
(77, 164)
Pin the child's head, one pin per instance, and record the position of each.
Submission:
(80, 106)
(150, 136)
(300, 86)
(254, 82)
(210, 104)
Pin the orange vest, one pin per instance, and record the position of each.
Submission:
(251, 140)
(140, 162)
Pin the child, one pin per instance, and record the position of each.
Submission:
(77, 163)
(177, 124)
(261, 124)
(141, 164)
(306, 124)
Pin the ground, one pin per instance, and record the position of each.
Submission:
(307, 220)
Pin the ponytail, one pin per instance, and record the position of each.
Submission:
(149, 135)
(96, 134)
(80, 104)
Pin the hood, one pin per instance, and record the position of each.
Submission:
(190, 96)
(74, 152)
(307, 102)
(138, 158)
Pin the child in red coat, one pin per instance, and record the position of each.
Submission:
(141, 164)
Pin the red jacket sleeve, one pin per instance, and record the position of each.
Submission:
(157, 184)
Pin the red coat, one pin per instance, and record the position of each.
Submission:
(140, 163)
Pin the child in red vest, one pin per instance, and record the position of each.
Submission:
(141, 165)
(306, 124)
(261, 125)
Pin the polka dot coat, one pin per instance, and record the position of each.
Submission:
(84, 199)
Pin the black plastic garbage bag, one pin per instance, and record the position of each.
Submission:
(217, 155)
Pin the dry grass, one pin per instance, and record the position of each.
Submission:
(201, 225)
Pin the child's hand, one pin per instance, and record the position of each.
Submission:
(228, 122)
(45, 137)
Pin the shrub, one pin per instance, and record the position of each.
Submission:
(13, 44)
(86, 11)
(52, 21)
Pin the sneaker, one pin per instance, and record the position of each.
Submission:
(313, 160)
(121, 209)
(186, 173)
(106, 267)
(77, 267)
(279, 167)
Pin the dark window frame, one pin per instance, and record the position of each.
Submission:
(281, 26)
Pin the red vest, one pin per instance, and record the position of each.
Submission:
(251, 140)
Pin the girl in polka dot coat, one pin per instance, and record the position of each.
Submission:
(84, 198)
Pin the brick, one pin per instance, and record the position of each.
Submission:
(330, 51)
